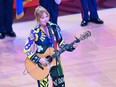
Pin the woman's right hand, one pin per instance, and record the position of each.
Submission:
(44, 61)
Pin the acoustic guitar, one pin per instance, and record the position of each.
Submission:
(39, 71)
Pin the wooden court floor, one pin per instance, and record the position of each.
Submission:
(92, 64)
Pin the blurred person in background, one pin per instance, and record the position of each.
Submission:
(90, 6)
(6, 19)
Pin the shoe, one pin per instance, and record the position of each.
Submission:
(96, 20)
(84, 22)
(11, 34)
(2, 35)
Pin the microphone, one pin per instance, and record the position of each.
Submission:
(47, 24)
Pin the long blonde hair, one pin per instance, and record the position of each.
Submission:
(39, 11)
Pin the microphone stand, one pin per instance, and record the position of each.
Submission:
(55, 54)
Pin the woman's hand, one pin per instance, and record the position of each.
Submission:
(69, 47)
(44, 61)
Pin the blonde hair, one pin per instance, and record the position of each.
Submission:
(39, 11)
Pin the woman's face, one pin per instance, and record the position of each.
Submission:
(44, 19)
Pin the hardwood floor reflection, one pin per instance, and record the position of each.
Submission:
(92, 64)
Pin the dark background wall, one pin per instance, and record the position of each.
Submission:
(65, 8)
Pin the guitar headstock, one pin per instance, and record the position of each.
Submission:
(82, 37)
(85, 35)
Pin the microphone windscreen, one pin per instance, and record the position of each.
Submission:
(47, 24)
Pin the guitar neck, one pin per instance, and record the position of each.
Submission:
(61, 50)
(58, 52)
(82, 37)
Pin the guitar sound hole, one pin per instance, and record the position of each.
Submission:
(49, 59)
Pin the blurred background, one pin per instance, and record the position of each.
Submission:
(65, 8)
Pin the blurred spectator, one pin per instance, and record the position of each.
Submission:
(90, 5)
(6, 19)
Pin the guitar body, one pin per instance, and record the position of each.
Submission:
(35, 71)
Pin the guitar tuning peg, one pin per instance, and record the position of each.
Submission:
(88, 33)
(75, 37)
(77, 40)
